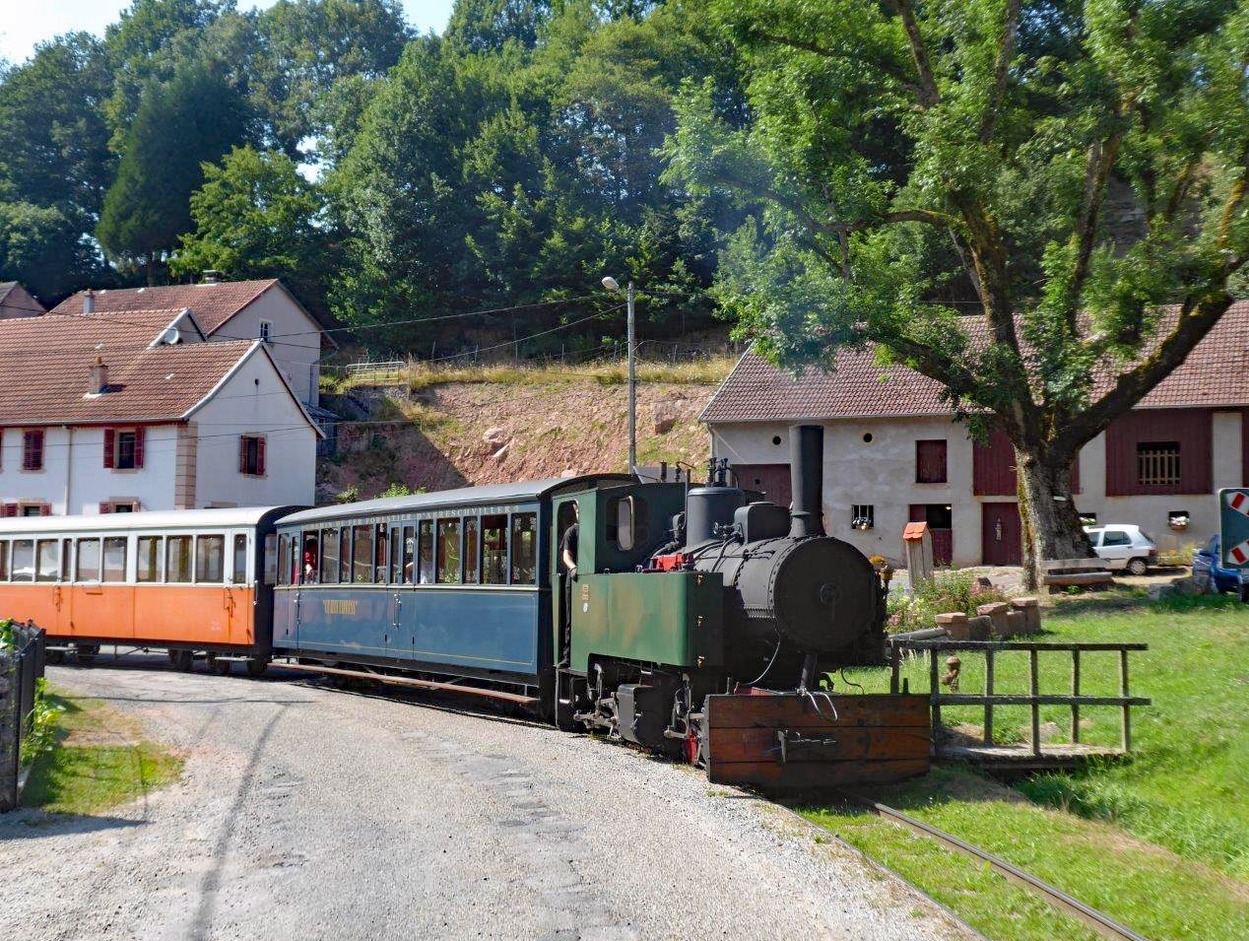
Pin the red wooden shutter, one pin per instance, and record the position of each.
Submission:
(138, 446)
(110, 445)
(45, 509)
(243, 454)
(260, 456)
(106, 508)
(930, 462)
(10, 509)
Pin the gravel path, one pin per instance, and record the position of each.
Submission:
(313, 813)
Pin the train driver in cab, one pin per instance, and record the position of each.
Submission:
(568, 547)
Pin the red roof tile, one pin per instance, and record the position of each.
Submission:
(46, 367)
(212, 304)
(1216, 374)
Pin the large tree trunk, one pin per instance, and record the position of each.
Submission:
(1047, 510)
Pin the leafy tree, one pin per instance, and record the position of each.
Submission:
(179, 126)
(936, 179)
(256, 217)
(54, 164)
(308, 47)
(489, 25)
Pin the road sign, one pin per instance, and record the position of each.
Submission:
(1234, 526)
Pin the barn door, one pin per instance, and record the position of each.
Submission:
(1001, 537)
(772, 479)
(939, 518)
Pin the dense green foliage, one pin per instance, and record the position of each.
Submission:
(996, 193)
(384, 176)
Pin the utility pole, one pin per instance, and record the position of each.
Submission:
(612, 285)
(633, 388)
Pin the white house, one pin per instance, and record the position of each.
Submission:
(893, 455)
(110, 415)
(225, 310)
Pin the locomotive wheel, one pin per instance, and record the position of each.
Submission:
(86, 653)
(182, 659)
(218, 666)
(54, 657)
(257, 666)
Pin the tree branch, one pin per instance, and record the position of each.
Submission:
(928, 92)
(1102, 156)
(1001, 68)
(805, 45)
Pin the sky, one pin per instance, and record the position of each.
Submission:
(24, 23)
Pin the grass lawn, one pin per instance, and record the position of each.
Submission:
(1161, 843)
(101, 760)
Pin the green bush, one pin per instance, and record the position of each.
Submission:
(43, 724)
(949, 590)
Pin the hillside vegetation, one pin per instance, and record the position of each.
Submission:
(452, 426)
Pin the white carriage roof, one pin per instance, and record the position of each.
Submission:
(218, 518)
(520, 492)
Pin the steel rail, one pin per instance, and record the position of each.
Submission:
(1102, 924)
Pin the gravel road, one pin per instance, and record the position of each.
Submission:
(309, 813)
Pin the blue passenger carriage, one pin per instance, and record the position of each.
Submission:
(455, 584)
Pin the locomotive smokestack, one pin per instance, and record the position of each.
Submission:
(806, 470)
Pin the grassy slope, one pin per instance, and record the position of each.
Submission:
(432, 430)
(101, 760)
(1160, 843)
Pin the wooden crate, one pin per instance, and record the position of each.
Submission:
(784, 742)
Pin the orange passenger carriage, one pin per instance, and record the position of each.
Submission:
(193, 582)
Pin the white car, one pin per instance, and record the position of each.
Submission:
(1123, 546)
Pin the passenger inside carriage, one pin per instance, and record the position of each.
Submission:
(310, 558)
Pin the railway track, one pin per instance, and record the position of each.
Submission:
(1104, 925)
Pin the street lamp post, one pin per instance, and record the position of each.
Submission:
(612, 285)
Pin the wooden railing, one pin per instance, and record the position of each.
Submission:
(1034, 698)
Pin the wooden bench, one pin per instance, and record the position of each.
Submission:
(1080, 573)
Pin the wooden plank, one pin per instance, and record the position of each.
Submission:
(971, 699)
(796, 712)
(773, 776)
(1058, 565)
(761, 744)
(1077, 579)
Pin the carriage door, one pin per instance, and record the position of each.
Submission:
(286, 595)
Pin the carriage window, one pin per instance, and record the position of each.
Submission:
(49, 560)
(409, 553)
(524, 548)
(344, 554)
(425, 544)
(210, 560)
(285, 568)
(177, 559)
(23, 560)
(87, 552)
(115, 559)
(147, 568)
(379, 556)
(362, 554)
(239, 575)
(4, 561)
(494, 549)
(329, 555)
(472, 574)
(312, 553)
(448, 551)
(396, 556)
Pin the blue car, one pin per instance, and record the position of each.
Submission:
(1208, 560)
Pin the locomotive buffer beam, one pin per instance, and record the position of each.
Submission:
(786, 742)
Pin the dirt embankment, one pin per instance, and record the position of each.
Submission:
(455, 434)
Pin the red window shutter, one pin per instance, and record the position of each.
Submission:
(10, 509)
(45, 509)
(106, 508)
(260, 456)
(930, 466)
(110, 446)
(138, 446)
(243, 454)
(32, 450)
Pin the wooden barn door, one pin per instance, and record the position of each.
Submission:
(938, 518)
(772, 479)
(1001, 536)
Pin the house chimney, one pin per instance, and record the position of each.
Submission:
(88, 301)
(211, 276)
(99, 377)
